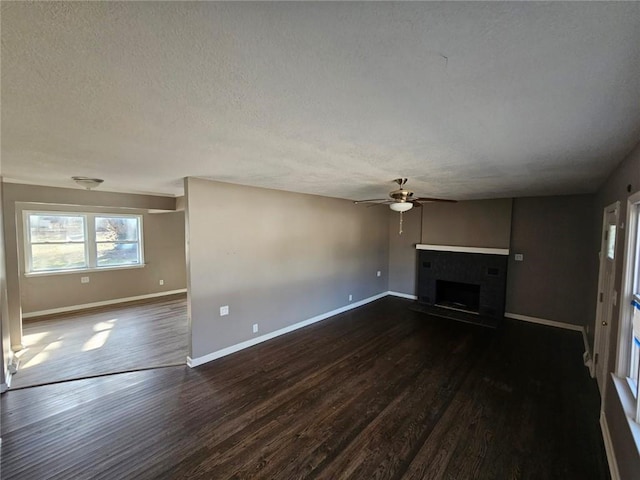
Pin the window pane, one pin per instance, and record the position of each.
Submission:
(118, 254)
(57, 256)
(111, 229)
(611, 242)
(56, 228)
(635, 345)
(635, 359)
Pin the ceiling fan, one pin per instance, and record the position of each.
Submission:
(402, 200)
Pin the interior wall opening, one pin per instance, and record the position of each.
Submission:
(97, 298)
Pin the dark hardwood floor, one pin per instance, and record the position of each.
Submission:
(378, 392)
(116, 338)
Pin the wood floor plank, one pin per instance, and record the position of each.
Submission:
(379, 392)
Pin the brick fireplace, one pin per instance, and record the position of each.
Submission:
(462, 283)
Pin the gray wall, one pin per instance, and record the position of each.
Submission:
(276, 258)
(476, 223)
(556, 278)
(615, 189)
(13, 194)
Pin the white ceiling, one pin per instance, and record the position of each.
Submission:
(468, 100)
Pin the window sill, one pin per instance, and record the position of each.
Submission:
(83, 270)
(628, 402)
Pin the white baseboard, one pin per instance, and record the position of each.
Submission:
(11, 368)
(402, 295)
(194, 362)
(84, 306)
(544, 321)
(586, 356)
(608, 448)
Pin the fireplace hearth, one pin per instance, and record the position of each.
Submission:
(466, 286)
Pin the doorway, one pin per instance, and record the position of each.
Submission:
(607, 296)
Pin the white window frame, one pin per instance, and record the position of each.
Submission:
(630, 287)
(91, 245)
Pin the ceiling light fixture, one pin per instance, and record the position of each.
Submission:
(87, 182)
(401, 206)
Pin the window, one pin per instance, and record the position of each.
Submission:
(634, 320)
(117, 241)
(611, 242)
(634, 364)
(56, 242)
(628, 365)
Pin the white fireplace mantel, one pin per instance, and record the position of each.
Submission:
(453, 248)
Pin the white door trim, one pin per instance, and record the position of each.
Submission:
(604, 306)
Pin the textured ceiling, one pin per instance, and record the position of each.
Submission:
(468, 100)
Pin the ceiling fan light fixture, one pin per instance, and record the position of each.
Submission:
(87, 182)
(401, 206)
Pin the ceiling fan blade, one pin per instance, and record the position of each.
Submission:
(428, 199)
(386, 202)
(370, 200)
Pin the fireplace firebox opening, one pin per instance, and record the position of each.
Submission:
(458, 296)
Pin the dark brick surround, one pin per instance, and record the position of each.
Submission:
(488, 271)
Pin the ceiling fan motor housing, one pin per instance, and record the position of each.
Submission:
(401, 195)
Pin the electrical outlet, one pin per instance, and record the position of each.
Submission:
(224, 310)
(350, 297)
(379, 273)
(518, 257)
(84, 279)
(255, 328)
(161, 282)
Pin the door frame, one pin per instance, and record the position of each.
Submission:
(606, 300)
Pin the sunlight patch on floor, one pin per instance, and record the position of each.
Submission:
(108, 325)
(40, 356)
(53, 345)
(33, 338)
(37, 359)
(103, 330)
